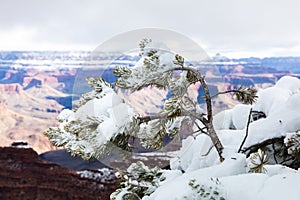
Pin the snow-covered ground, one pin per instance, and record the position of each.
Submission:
(205, 177)
(231, 180)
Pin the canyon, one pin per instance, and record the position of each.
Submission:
(36, 86)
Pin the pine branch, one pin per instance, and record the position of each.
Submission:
(146, 119)
(244, 95)
(193, 75)
(204, 85)
(207, 122)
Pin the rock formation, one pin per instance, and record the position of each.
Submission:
(24, 176)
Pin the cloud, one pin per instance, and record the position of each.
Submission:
(220, 26)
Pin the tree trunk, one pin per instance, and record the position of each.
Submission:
(215, 140)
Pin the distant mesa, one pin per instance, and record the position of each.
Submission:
(219, 58)
(10, 88)
(34, 83)
(11, 76)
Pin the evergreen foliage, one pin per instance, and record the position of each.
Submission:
(257, 160)
(81, 131)
(246, 95)
(293, 144)
(206, 192)
(158, 68)
(140, 180)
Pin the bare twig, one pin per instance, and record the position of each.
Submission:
(247, 131)
(210, 148)
(201, 129)
(284, 161)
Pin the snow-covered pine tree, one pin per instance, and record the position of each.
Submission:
(103, 121)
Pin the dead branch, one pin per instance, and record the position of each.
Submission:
(255, 147)
(247, 131)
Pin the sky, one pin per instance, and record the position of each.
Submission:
(234, 28)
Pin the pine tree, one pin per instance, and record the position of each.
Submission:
(94, 133)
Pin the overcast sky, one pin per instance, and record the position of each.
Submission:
(234, 28)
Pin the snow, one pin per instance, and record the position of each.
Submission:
(190, 152)
(199, 161)
(278, 183)
(233, 118)
(244, 186)
(223, 120)
(240, 121)
(270, 98)
(180, 183)
(20, 144)
(117, 117)
(290, 83)
(281, 120)
(66, 114)
(103, 111)
(99, 175)
(98, 107)
(272, 170)
(283, 186)
(262, 187)
(280, 103)
(121, 114)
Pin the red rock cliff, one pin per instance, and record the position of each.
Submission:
(24, 176)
